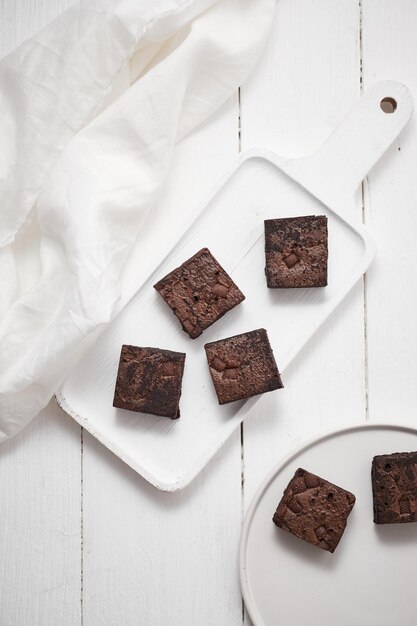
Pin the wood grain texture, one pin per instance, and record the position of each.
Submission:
(40, 523)
(389, 45)
(152, 558)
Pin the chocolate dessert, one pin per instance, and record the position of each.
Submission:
(296, 252)
(242, 366)
(199, 292)
(314, 510)
(149, 381)
(394, 486)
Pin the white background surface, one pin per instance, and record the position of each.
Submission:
(84, 540)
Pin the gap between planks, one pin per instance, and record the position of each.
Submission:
(364, 188)
(242, 444)
(82, 526)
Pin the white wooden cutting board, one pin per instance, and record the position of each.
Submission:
(260, 186)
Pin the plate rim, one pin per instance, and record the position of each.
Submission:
(356, 426)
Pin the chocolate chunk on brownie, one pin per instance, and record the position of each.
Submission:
(242, 366)
(314, 510)
(296, 252)
(149, 381)
(199, 292)
(394, 486)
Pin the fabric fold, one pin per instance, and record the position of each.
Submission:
(89, 181)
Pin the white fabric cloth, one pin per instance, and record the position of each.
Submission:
(91, 109)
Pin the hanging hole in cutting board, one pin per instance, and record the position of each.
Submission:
(388, 105)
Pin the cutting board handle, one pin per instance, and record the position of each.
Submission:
(337, 168)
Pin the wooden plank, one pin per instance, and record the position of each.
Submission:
(307, 81)
(151, 557)
(390, 50)
(40, 467)
(158, 558)
(40, 530)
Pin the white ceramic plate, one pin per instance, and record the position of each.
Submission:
(370, 580)
(261, 185)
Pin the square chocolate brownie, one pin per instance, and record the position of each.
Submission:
(149, 381)
(394, 486)
(314, 510)
(199, 292)
(242, 366)
(296, 252)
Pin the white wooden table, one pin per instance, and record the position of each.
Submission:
(83, 539)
